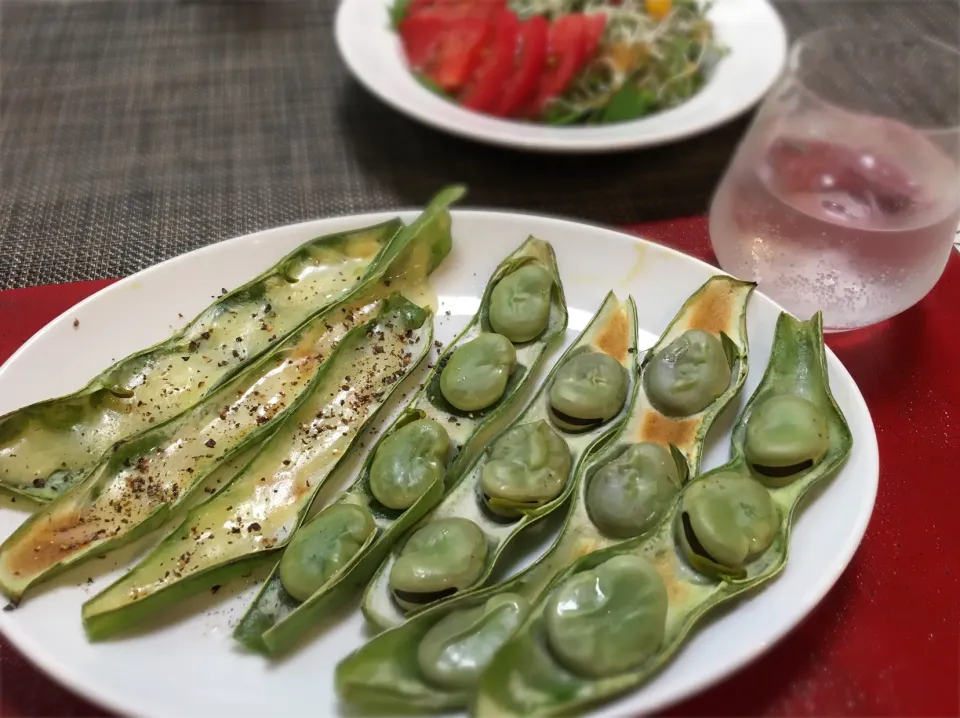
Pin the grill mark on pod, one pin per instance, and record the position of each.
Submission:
(678, 590)
(362, 246)
(586, 546)
(682, 433)
(614, 338)
(713, 311)
(52, 541)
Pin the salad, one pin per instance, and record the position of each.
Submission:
(559, 61)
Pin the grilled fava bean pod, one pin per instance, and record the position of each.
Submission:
(259, 511)
(628, 485)
(137, 485)
(622, 490)
(431, 665)
(419, 456)
(727, 534)
(46, 448)
(524, 475)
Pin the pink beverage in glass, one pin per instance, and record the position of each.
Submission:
(849, 213)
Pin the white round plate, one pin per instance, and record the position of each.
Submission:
(751, 29)
(188, 664)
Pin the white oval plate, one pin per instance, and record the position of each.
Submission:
(751, 29)
(188, 665)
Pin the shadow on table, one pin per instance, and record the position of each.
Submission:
(617, 188)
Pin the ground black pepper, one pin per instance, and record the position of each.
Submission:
(356, 405)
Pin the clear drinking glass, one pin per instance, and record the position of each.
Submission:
(845, 193)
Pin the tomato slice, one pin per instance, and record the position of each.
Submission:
(565, 45)
(530, 62)
(452, 58)
(594, 26)
(485, 88)
(455, 9)
(420, 37)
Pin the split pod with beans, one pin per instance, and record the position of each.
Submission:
(254, 516)
(609, 622)
(421, 454)
(525, 473)
(623, 489)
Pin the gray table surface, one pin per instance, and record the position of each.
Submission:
(135, 130)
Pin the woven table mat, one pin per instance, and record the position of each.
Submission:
(135, 130)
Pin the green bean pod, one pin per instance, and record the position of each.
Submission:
(137, 486)
(47, 447)
(276, 619)
(653, 452)
(725, 535)
(525, 473)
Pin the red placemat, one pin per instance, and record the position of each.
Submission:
(884, 641)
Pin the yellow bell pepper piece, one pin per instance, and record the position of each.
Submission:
(658, 9)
